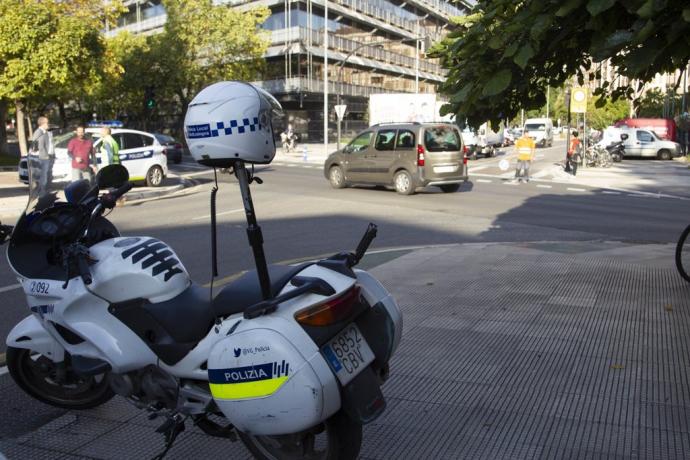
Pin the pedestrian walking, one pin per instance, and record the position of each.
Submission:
(80, 150)
(110, 151)
(574, 154)
(525, 148)
(42, 145)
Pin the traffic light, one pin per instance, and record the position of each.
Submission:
(149, 97)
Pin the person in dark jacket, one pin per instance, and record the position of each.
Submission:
(42, 145)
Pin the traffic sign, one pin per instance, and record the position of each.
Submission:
(340, 111)
(578, 100)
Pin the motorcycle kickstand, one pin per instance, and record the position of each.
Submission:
(171, 428)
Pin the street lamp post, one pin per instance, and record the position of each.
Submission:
(325, 79)
(417, 41)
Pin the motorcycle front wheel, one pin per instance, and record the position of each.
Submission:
(339, 438)
(56, 383)
(683, 254)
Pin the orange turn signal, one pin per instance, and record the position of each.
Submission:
(330, 312)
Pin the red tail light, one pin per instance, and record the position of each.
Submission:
(464, 159)
(330, 312)
(420, 155)
(465, 150)
(178, 146)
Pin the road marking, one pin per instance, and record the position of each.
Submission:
(611, 193)
(290, 165)
(484, 180)
(544, 186)
(572, 189)
(510, 183)
(218, 214)
(3, 370)
(11, 287)
(477, 168)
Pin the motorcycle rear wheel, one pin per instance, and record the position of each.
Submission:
(339, 438)
(41, 379)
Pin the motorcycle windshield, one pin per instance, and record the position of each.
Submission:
(48, 180)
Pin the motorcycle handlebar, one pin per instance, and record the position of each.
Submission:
(111, 198)
(84, 271)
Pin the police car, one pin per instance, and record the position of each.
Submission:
(140, 152)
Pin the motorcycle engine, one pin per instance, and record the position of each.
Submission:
(146, 387)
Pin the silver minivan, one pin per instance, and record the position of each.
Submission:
(402, 155)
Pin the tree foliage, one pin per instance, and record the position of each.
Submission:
(46, 47)
(504, 54)
(203, 43)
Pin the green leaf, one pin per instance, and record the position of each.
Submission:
(524, 55)
(646, 11)
(512, 48)
(596, 7)
(568, 7)
(497, 83)
(495, 42)
(686, 14)
(461, 96)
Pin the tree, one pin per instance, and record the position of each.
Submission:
(502, 56)
(204, 42)
(48, 46)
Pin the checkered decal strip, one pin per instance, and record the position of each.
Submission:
(236, 127)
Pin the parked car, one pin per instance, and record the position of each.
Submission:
(402, 155)
(173, 149)
(140, 152)
(645, 143)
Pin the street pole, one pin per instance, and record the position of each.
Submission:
(547, 101)
(567, 137)
(417, 45)
(325, 79)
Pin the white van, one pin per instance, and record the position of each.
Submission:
(484, 141)
(541, 130)
(140, 152)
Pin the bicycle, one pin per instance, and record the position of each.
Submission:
(683, 254)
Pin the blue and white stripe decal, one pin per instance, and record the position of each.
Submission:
(222, 128)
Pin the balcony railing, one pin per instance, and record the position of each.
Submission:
(302, 84)
(147, 25)
(346, 45)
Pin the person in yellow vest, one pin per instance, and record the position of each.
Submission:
(524, 147)
(110, 151)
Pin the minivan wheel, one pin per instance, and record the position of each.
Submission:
(450, 188)
(403, 183)
(664, 154)
(154, 177)
(336, 177)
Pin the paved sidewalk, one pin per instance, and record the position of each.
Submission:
(510, 350)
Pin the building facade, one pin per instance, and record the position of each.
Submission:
(374, 46)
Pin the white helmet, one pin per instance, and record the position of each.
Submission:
(229, 121)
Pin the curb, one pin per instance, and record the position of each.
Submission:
(8, 168)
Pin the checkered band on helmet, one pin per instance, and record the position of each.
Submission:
(236, 127)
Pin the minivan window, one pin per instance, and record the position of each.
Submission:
(644, 136)
(535, 127)
(146, 141)
(385, 140)
(406, 139)
(360, 142)
(441, 138)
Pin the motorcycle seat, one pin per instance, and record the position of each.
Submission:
(245, 291)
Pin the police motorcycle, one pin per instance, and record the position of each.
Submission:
(289, 359)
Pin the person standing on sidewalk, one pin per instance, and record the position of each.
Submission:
(110, 151)
(80, 150)
(525, 154)
(574, 152)
(42, 144)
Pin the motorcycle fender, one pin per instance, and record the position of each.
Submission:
(378, 296)
(30, 334)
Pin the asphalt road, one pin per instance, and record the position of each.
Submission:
(302, 217)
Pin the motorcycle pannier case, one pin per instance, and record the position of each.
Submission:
(264, 386)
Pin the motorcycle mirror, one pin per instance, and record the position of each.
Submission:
(114, 176)
(77, 190)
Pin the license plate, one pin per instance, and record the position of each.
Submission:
(348, 353)
(445, 169)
